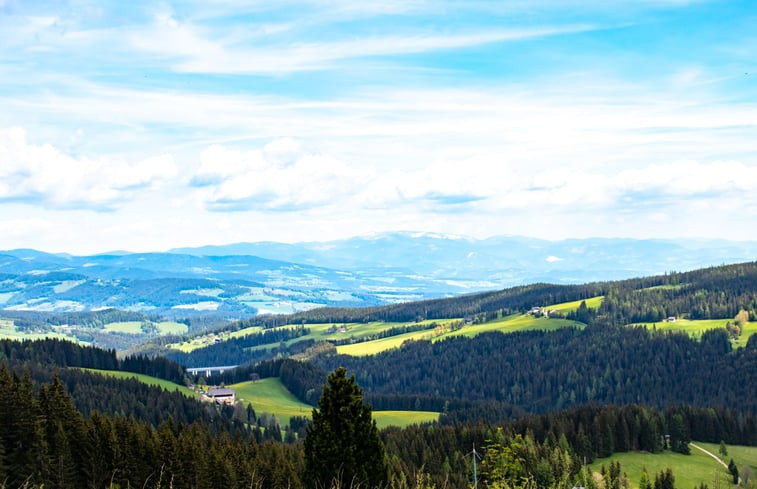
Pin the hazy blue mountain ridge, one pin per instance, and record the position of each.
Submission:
(242, 279)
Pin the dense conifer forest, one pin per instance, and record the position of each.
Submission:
(546, 371)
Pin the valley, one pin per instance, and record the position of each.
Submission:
(635, 371)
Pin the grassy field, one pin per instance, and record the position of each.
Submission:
(517, 322)
(382, 344)
(437, 329)
(565, 307)
(270, 396)
(695, 327)
(8, 331)
(403, 418)
(318, 332)
(129, 327)
(741, 455)
(689, 470)
(747, 330)
(508, 324)
(170, 327)
(342, 331)
(165, 384)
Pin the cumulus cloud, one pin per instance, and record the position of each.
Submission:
(44, 174)
(280, 176)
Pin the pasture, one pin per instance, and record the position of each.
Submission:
(270, 396)
(128, 327)
(695, 327)
(740, 454)
(171, 328)
(433, 330)
(565, 307)
(515, 322)
(689, 470)
(9, 331)
(154, 381)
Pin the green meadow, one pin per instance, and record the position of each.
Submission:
(8, 330)
(695, 327)
(565, 307)
(741, 455)
(164, 384)
(403, 418)
(270, 396)
(437, 329)
(516, 322)
(129, 327)
(689, 470)
(171, 328)
(321, 332)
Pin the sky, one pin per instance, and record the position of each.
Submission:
(144, 126)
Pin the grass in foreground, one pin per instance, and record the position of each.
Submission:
(164, 384)
(689, 470)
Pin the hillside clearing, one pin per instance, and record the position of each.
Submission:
(565, 307)
(154, 381)
(270, 396)
(695, 327)
(689, 470)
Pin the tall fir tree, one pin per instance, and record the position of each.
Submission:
(342, 445)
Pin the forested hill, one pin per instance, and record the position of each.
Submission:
(710, 293)
(42, 360)
(546, 371)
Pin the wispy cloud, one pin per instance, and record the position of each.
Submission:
(190, 50)
(536, 117)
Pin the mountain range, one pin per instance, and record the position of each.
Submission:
(243, 279)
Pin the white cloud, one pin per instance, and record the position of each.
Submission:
(690, 178)
(43, 174)
(281, 176)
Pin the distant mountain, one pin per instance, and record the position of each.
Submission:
(242, 279)
(499, 261)
(182, 285)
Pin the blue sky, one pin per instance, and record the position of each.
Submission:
(150, 125)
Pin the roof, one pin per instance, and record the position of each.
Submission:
(220, 392)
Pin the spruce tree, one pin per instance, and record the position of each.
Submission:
(342, 446)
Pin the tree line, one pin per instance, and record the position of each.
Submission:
(62, 353)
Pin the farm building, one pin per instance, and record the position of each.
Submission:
(221, 396)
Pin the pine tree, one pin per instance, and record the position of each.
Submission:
(723, 450)
(342, 445)
(645, 483)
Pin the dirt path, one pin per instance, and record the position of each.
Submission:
(710, 454)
